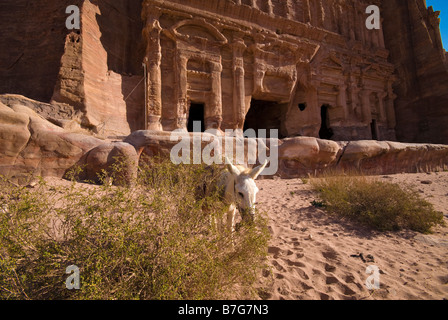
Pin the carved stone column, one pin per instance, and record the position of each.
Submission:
(313, 100)
(342, 99)
(381, 35)
(354, 95)
(365, 106)
(289, 14)
(270, 7)
(382, 107)
(320, 14)
(390, 107)
(375, 34)
(213, 113)
(239, 91)
(181, 90)
(153, 60)
(361, 22)
(259, 67)
(306, 11)
(390, 110)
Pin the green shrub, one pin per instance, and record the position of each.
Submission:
(153, 240)
(382, 205)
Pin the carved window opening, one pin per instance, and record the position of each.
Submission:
(325, 131)
(265, 115)
(196, 114)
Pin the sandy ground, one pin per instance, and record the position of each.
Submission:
(315, 256)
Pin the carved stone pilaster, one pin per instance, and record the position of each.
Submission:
(239, 91)
(365, 106)
(213, 114)
(270, 7)
(342, 99)
(306, 11)
(153, 60)
(382, 107)
(390, 106)
(181, 90)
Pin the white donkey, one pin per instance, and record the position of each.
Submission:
(239, 191)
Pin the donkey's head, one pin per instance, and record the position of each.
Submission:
(245, 189)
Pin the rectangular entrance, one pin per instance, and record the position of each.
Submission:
(196, 114)
(374, 129)
(325, 131)
(265, 115)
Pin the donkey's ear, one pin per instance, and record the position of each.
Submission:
(233, 170)
(256, 171)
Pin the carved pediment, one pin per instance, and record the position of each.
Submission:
(197, 29)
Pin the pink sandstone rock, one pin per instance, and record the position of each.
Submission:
(31, 145)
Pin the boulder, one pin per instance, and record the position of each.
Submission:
(386, 157)
(118, 160)
(301, 156)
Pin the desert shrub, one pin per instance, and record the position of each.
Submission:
(382, 205)
(153, 240)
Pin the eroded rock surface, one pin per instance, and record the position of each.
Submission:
(31, 146)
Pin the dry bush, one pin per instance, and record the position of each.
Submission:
(153, 240)
(381, 205)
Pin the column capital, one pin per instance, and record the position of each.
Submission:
(383, 94)
(154, 25)
(182, 60)
(238, 46)
(216, 67)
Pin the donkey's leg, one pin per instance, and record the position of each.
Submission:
(231, 218)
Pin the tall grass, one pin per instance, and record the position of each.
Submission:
(381, 205)
(153, 240)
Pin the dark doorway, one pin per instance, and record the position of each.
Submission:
(196, 114)
(325, 131)
(374, 129)
(264, 115)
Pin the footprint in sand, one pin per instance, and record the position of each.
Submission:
(302, 274)
(275, 251)
(279, 276)
(278, 266)
(330, 268)
(330, 254)
(331, 280)
(294, 263)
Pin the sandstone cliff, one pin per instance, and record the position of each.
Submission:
(98, 70)
(32, 43)
(413, 39)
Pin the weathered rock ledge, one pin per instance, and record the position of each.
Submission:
(32, 145)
